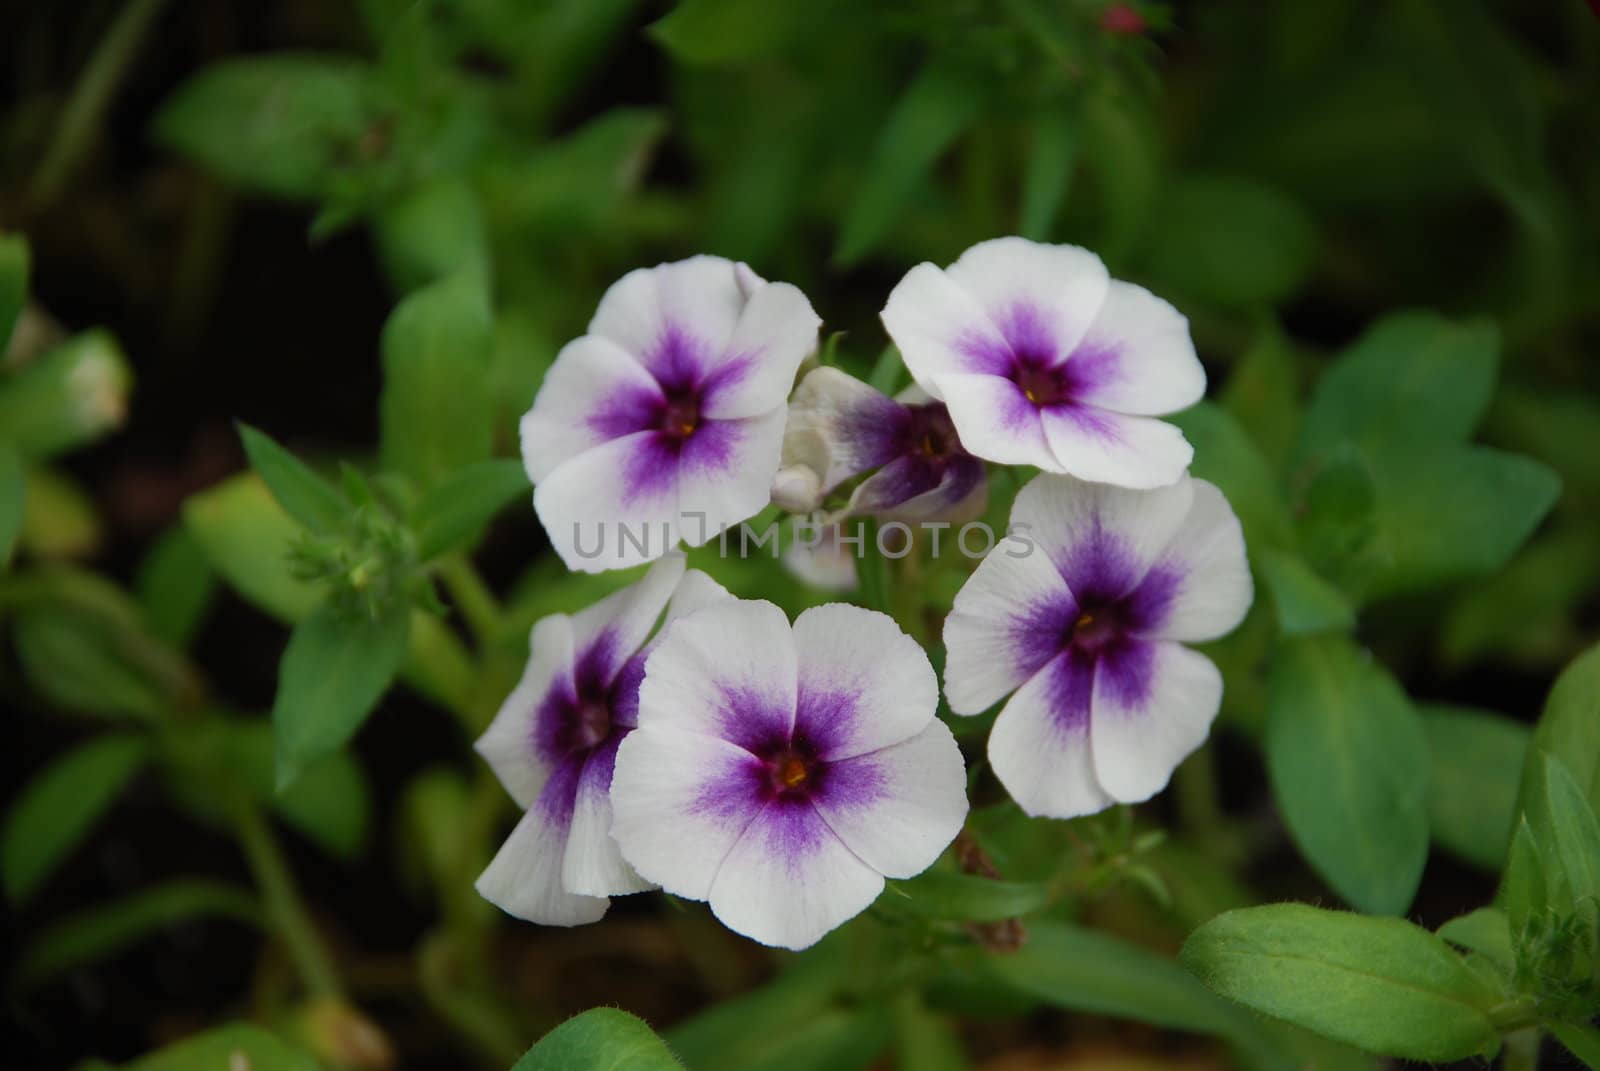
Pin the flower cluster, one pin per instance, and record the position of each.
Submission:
(672, 735)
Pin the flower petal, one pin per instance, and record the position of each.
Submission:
(1150, 365)
(901, 491)
(727, 671)
(524, 877)
(899, 807)
(607, 633)
(1210, 575)
(1153, 705)
(613, 506)
(840, 427)
(593, 393)
(942, 330)
(789, 879)
(592, 864)
(695, 591)
(725, 474)
(1062, 285)
(996, 421)
(1010, 618)
(863, 683)
(701, 296)
(776, 331)
(1040, 747)
(1103, 539)
(1107, 447)
(508, 744)
(679, 802)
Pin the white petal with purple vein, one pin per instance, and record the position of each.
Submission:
(863, 683)
(524, 878)
(789, 879)
(1107, 447)
(507, 745)
(679, 802)
(1155, 369)
(1091, 528)
(997, 635)
(1150, 716)
(996, 421)
(567, 416)
(592, 864)
(938, 327)
(777, 330)
(725, 474)
(1064, 284)
(587, 503)
(727, 671)
(702, 295)
(908, 803)
(1207, 556)
(1039, 746)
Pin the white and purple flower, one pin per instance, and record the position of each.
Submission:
(840, 427)
(554, 742)
(1044, 360)
(782, 774)
(665, 421)
(1083, 617)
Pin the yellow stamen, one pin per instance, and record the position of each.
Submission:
(793, 773)
(1084, 621)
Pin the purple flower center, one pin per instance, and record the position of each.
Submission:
(1097, 627)
(591, 726)
(1040, 385)
(680, 413)
(792, 769)
(930, 434)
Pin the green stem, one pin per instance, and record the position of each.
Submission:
(1521, 1051)
(286, 911)
(87, 105)
(472, 597)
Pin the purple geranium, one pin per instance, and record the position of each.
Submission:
(1083, 616)
(781, 774)
(1044, 360)
(839, 428)
(665, 421)
(555, 740)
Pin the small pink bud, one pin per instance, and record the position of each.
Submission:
(1123, 20)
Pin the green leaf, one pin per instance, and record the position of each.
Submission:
(1048, 173)
(940, 894)
(304, 495)
(58, 807)
(107, 929)
(174, 586)
(86, 662)
(1336, 519)
(1224, 454)
(435, 411)
(1522, 891)
(1435, 531)
(285, 124)
(1263, 394)
(14, 265)
(1306, 603)
(246, 535)
(578, 184)
(237, 1045)
(925, 1041)
(13, 493)
(600, 1039)
(66, 397)
(1568, 834)
(431, 232)
(1383, 985)
(329, 803)
(454, 512)
(1569, 729)
(785, 1023)
(1349, 767)
(1413, 380)
(1231, 241)
(1474, 769)
(1088, 971)
(1526, 613)
(729, 31)
(932, 113)
(333, 673)
(1485, 931)
(1581, 1040)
